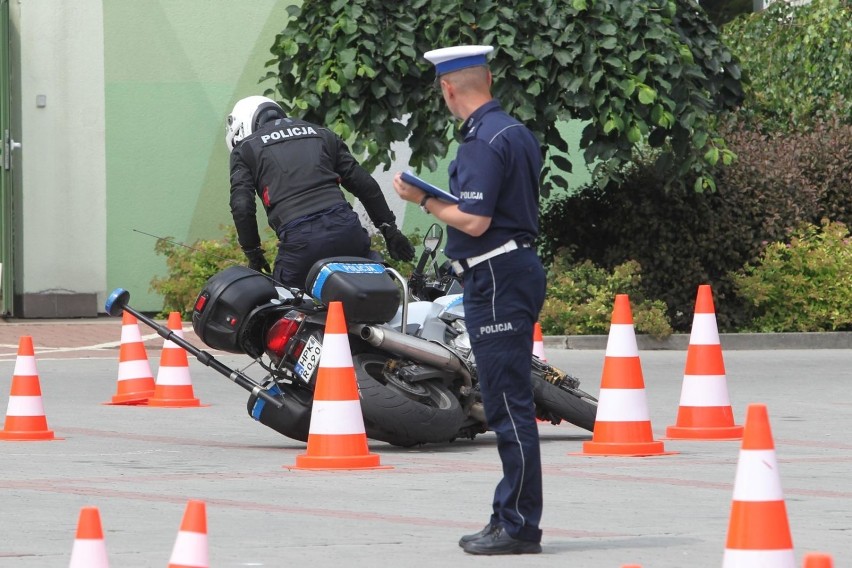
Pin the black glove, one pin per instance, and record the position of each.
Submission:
(257, 261)
(399, 247)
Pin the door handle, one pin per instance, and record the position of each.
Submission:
(9, 145)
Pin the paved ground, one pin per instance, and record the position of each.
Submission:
(140, 465)
(72, 338)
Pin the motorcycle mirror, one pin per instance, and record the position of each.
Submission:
(433, 237)
(116, 302)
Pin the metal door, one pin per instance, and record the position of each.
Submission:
(7, 148)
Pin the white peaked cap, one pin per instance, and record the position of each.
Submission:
(448, 59)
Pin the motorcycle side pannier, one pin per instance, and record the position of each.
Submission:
(220, 316)
(367, 291)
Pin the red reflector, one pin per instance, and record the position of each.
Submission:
(297, 351)
(200, 302)
(279, 335)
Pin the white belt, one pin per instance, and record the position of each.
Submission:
(461, 265)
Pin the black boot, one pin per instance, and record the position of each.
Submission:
(498, 541)
(476, 536)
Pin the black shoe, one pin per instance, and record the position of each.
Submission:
(498, 541)
(476, 536)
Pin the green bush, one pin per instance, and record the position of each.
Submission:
(804, 285)
(796, 62)
(632, 71)
(580, 300)
(189, 267)
(683, 239)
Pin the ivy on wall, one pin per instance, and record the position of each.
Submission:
(645, 76)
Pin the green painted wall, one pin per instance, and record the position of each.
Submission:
(173, 70)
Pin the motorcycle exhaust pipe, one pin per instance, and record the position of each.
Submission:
(415, 348)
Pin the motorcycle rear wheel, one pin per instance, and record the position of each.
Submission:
(571, 405)
(402, 413)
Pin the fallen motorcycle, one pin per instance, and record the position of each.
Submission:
(410, 349)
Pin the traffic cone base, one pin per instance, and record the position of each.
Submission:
(622, 423)
(175, 397)
(339, 462)
(135, 383)
(633, 440)
(705, 410)
(337, 438)
(25, 419)
(19, 429)
(138, 398)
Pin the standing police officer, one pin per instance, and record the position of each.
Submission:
(296, 168)
(489, 239)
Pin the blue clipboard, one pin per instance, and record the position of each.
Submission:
(409, 177)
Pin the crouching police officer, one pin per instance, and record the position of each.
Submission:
(297, 168)
(489, 236)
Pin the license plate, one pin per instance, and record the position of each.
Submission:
(309, 359)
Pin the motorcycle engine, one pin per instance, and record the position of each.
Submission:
(458, 338)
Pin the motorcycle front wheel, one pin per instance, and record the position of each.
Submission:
(404, 413)
(573, 405)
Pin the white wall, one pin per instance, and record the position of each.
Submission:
(62, 158)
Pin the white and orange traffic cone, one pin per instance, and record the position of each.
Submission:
(622, 423)
(135, 383)
(538, 342)
(191, 548)
(25, 418)
(818, 560)
(758, 531)
(173, 387)
(337, 438)
(89, 549)
(705, 410)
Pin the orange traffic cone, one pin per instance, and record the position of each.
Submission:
(336, 438)
(705, 410)
(538, 342)
(135, 381)
(190, 550)
(25, 419)
(818, 560)
(758, 532)
(174, 383)
(622, 425)
(89, 547)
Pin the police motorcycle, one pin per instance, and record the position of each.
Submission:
(412, 359)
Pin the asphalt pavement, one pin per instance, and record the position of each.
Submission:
(140, 466)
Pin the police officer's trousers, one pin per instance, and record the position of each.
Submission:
(502, 300)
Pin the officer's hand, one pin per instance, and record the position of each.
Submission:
(399, 247)
(257, 261)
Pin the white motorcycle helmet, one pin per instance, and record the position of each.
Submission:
(248, 115)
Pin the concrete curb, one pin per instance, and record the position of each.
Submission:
(729, 341)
